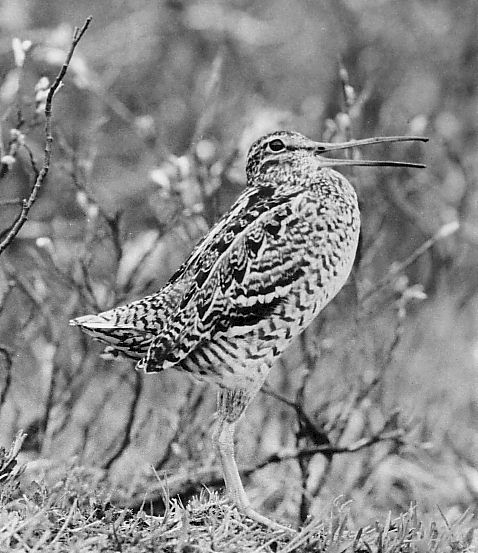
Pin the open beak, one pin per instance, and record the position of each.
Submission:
(325, 147)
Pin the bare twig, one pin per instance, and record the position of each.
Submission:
(465, 464)
(126, 440)
(66, 523)
(211, 477)
(42, 308)
(380, 436)
(33, 163)
(210, 93)
(96, 411)
(12, 201)
(348, 98)
(464, 204)
(8, 460)
(2, 147)
(309, 365)
(88, 284)
(75, 385)
(40, 179)
(14, 145)
(7, 355)
(318, 436)
(185, 415)
(113, 221)
(8, 287)
(50, 400)
(397, 268)
(128, 285)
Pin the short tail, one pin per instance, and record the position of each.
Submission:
(123, 338)
(92, 322)
(129, 329)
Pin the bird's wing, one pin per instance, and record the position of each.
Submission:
(130, 328)
(237, 276)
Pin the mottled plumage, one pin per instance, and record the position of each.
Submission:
(266, 269)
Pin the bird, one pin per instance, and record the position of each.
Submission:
(257, 280)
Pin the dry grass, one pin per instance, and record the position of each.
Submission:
(75, 514)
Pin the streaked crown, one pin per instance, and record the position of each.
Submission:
(279, 147)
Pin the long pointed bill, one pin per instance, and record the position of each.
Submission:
(328, 162)
(322, 147)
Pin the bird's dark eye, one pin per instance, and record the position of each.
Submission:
(276, 145)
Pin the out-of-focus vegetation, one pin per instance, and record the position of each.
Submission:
(151, 129)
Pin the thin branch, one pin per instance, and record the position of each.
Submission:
(186, 484)
(97, 411)
(363, 443)
(185, 415)
(397, 268)
(49, 404)
(128, 285)
(2, 147)
(348, 99)
(138, 386)
(14, 144)
(301, 432)
(40, 179)
(318, 436)
(210, 95)
(464, 203)
(8, 287)
(8, 461)
(7, 355)
(113, 221)
(24, 285)
(9, 202)
(65, 524)
(33, 163)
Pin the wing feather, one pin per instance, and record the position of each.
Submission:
(239, 275)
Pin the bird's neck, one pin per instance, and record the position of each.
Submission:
(324, 184)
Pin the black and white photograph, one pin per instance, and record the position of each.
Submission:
(239, 276)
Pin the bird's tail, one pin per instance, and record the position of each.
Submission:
(102, 328)
(129, 329)
(120, 337)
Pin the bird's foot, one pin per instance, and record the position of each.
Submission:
(261, 519)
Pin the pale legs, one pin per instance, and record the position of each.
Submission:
(230, 406)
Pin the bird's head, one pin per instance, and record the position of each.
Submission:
(277, 152)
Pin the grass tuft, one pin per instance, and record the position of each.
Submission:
(75, 514)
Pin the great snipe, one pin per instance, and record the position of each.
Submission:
(261, 275)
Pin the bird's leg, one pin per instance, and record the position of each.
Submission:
(231, 405)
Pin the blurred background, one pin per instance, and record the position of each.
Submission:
(151, 129)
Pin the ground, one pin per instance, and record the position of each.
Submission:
(73, 513)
